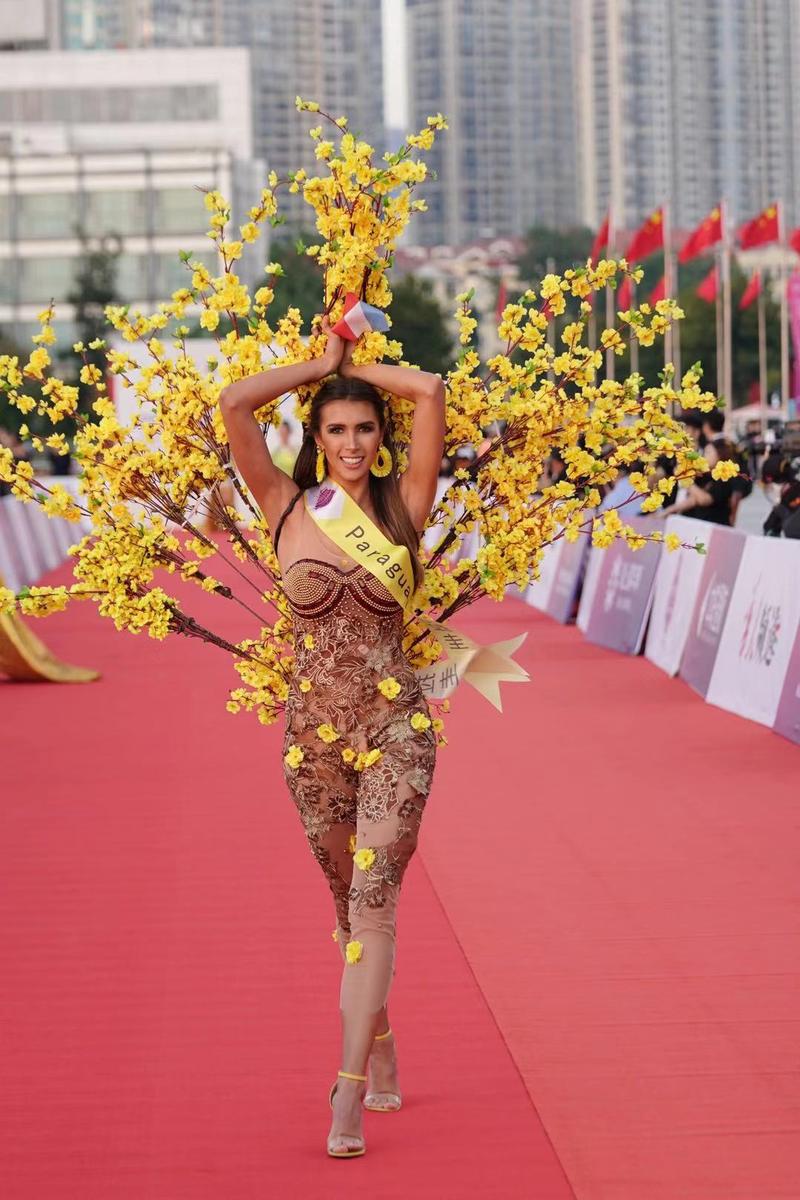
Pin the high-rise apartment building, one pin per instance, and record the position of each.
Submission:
(324, 50)
(501, 71)
(687, 102)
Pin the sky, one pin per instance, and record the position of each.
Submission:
(394, 83)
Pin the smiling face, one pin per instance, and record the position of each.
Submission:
(350, 435)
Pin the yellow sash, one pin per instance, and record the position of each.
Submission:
(485, 667)
(341, 519)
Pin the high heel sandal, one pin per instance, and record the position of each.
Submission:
(382, 1101)
(347, 1151)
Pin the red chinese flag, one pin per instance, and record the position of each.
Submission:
(707, 290)
(794, 240)
(601, 241)
(624, 295)
(762, 229)
(752, 291)
(648, 238)
(706, 235)
(659, 292)
(502, 294)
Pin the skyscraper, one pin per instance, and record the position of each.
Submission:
(501, 71)
(687, 102)
(324, 50)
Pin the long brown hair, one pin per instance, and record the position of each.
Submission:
(384, 492)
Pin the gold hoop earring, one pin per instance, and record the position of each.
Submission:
(320, 465)
(383, 462)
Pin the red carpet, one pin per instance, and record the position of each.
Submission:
(620, 863)
(169, 987)
(598, 957)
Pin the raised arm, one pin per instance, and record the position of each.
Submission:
(271, 488)
(418, 482)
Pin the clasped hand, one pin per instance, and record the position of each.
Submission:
(338, 353)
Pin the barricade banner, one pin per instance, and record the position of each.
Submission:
(713, 596)
(787, 718)
(571, 562)
(759, 631)
(674, 593)
(594, 562)
(622, 599)
(538, 594)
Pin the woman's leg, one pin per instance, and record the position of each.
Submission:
(391, 800)
(324, 793)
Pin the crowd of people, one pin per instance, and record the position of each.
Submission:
(709, 499)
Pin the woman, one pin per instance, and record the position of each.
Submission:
(709, 499)
(358, 769)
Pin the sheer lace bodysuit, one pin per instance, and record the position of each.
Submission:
(355, 641)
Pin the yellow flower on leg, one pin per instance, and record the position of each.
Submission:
(293, 757)
(364, 858)
(353, 952)
(327, 733)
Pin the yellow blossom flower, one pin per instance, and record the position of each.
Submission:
(672, 541)
(327, 733)
(293, 757)
(351, 845)
(726, 468)
(353, 952)
(348, 754)
(308, 641)
(305, 685)
(419, 721)
(364, 858)
(389, 687)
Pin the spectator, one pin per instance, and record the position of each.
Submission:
(710, 499)
(694, 424)
(784, 519)
(713, 424)
(623, 495)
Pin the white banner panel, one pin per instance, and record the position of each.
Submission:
(538, 593)
(759, 631)
(677, 581)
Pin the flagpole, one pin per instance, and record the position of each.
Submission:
(762, 357)
(611, 315)
(668, 276)
(784, 314)
(720, 326)
(727, 317)
(676, 337)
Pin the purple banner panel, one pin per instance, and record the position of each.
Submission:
(725, 549)
(564, 588)
(787, 718)
(624, 592)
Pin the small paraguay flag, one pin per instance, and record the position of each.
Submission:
(359, 317)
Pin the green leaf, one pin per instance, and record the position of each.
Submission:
(700, 548)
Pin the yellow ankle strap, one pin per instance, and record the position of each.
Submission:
(347, 1075)
(378, 1036)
